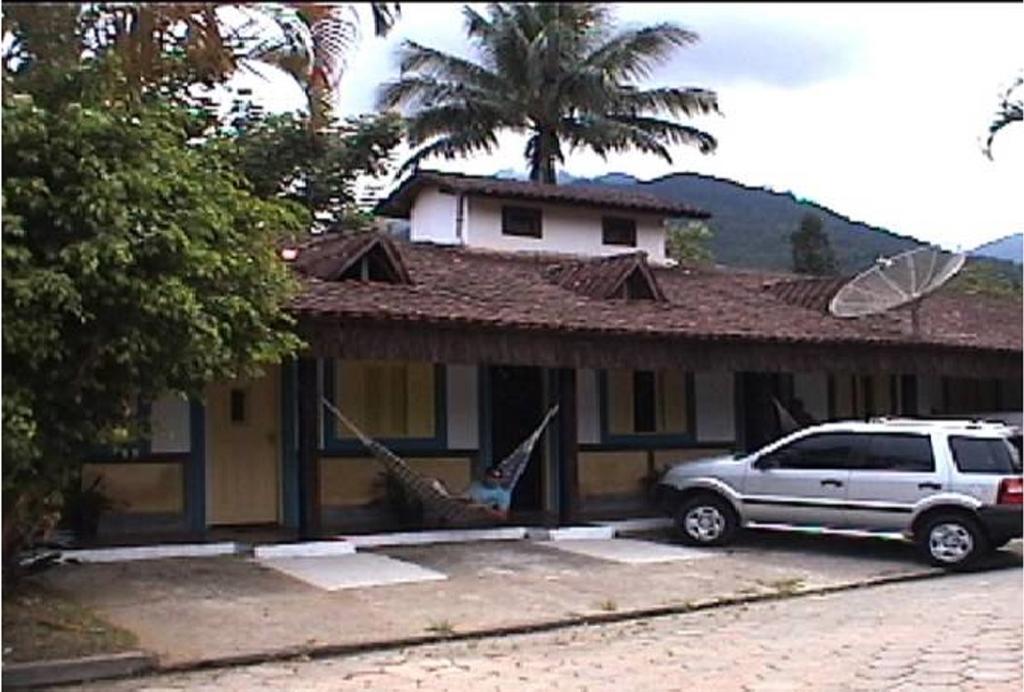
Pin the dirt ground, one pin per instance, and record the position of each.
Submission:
(39, 624)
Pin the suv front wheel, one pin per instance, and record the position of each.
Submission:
(706, 519)
(952, 540)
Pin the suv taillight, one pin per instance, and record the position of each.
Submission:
(1011, 492)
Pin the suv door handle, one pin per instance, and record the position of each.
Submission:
(929, 486)
(832, 481)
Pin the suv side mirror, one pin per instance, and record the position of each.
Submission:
(767, 462)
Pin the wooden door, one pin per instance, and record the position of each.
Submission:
(243, 431)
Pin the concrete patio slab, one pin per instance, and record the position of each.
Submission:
(335, 572)
(629, 551)
(304, 549)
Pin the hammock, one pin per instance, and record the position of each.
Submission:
(787, 423)
(438, 503)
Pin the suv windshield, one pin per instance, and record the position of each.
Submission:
(984, 455)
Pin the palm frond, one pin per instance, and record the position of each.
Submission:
(632, 54)
(671, 132)
(688, 101)
(414, 57)
(438, 121)
(451, 146)
(385, 15)
(1010, 111)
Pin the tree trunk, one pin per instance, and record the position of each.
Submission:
(542, 163)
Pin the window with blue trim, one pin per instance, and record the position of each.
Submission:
(395, 401)
(647, 403)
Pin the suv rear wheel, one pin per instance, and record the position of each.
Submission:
(952, 540)
(706, 519)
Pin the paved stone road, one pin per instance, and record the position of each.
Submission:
(956, 632)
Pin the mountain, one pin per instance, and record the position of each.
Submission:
(752, 225)
(1010, 248)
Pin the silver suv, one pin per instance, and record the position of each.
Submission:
(953, 487)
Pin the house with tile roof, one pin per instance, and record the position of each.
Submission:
(448, 346)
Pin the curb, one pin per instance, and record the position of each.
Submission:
(68, 670)
(331, 650)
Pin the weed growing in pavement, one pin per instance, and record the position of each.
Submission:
(608, 605)
(789, 585)
(441, 627)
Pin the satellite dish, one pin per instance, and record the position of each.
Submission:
(896, 281)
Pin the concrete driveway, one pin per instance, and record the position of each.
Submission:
(200, 610)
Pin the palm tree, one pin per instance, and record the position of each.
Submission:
(190, 42)
(316, 39)
(558, 72)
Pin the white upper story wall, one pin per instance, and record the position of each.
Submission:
(435, 217)
(564, 228)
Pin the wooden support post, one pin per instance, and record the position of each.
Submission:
(309, 464)
(568, 447)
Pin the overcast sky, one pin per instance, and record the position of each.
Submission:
(875, 111)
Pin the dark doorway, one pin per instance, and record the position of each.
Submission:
(517, 406)
(758, 418)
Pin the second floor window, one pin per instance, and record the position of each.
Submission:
(616, 230)
(521, 221)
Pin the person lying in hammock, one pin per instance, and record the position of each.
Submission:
(488, 494)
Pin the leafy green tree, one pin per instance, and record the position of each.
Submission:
(982, 276)
(812, 251)
(136, 261)
(318, 169)
(559, 72)
(688, 242)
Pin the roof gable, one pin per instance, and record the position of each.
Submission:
(626, 276)
(363, 256)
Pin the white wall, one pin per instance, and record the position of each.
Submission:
(716, 411)
(812, 389)
(567, 229)
(433, 216)
(169, 418)
(462, 396)
(588, 408)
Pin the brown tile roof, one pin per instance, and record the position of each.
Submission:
(812, 293)
(399, 202)
(329, 260)
(461, 286)
(604, 277)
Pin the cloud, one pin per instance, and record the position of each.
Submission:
(743, 51)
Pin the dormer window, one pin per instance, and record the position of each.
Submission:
(623, 277)
(637, 286)
(618, 230)
(361, 257)
(521, 221)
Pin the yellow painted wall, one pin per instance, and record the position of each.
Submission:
(612, 473)
(140, 487)
(386, 398)
(354, 481)
(663, 458)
